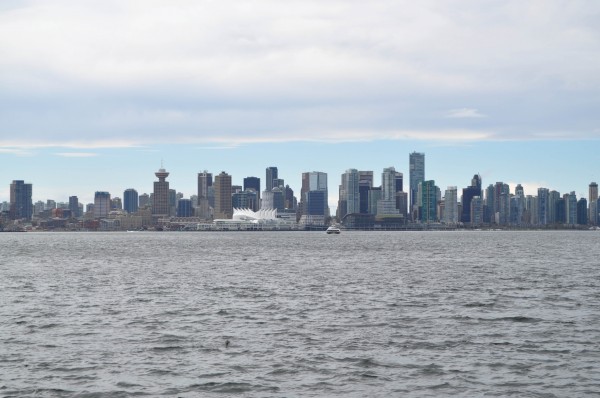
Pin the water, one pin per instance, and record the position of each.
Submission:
(306, 314)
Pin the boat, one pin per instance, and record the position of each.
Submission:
(333, 230)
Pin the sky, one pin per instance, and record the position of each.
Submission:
(96, 95)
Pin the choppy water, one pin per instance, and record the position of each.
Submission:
(306, 314)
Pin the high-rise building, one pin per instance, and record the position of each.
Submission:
(451, 205)
(290, 199)
(582, 211)
(416, 176)
(428, 201)
(253, 183)
(130, 200)
(144, 200)
(593, 201)
(116, 203)
(102, 204)
(205, 182)
(386, 206)
(468, 194)
(184, 208)
(270, 175)
(74, 206)
(160, 197)
(315, 181)
(349, 192)
(21, 203)
(278, 183)
(223, 204)
(476, 215)
(517, 215)
(543, 206)
(571, 208)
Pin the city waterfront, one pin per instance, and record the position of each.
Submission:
(438, 313)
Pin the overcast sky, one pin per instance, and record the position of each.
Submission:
(94, 94)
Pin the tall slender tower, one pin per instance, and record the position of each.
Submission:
(593, 203)
(417, 175)
(223, 203)
(160, 199)
(205, 180)
(271, 174)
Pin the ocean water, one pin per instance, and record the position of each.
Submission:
(295, 314)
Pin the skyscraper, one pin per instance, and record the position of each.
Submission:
(315, 181)
(451, 205)
(271, 174)
(253, 183)
(468, 194)
(130, 200)
(21, 203)
(593, 203)
(416, 176)
(74, 206)
(223, 203)
(205, 180)
(314, 208)
(349, 196)
(160, 198)
(365, 183)
(428, 201)
(543, 206)
(102, 204)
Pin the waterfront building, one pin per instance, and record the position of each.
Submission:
(223, 205)
(349, 199)
(582, 211)
(314, 181)
(184, 208)
(205, 182)
(476, 215)
(416, 176)
(593, 200)
(160, 197)
(116, 203)
(451, 205)
(553, 198)
(130, 200)
(21, 203)
(102, 204)
(386, 206)
(74, 206)
(270, 176)
(144, 201)
(290, 200)
(468, 194)
(571, 208)
(365, 183)
(561, 210)
(428, 201)
(253, 183)
(273, 199)
(402, 203)
(518, 206)
(247, 199)
(543, 206)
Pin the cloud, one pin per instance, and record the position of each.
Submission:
(464, 113)
(76, 154)
(271, 70)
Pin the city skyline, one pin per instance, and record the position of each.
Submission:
(294, 182)
(507, 90)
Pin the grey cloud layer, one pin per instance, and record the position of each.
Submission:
(89, 73)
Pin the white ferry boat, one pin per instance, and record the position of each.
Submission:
(333, 230)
